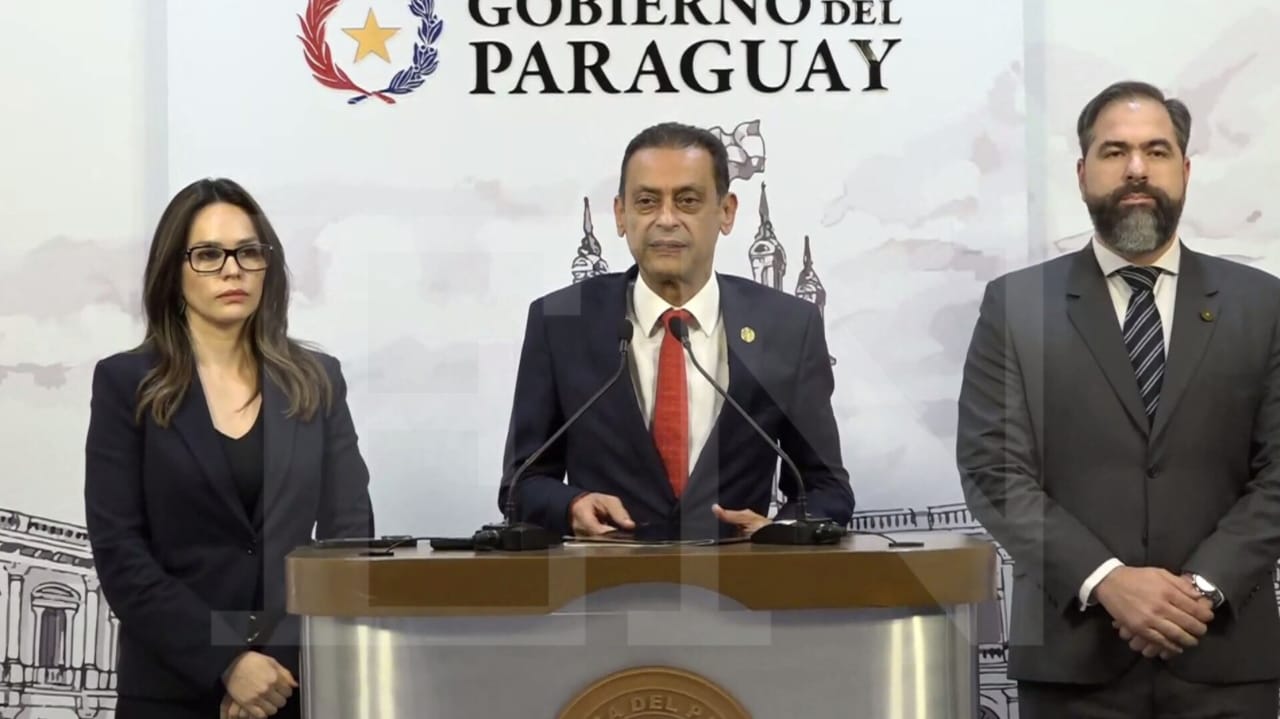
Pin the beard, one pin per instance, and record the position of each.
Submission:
(1136, 229)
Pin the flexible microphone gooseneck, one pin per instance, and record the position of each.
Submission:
(522, 536)
(893, 543)
(801, 531)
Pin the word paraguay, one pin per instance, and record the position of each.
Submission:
(709, 66)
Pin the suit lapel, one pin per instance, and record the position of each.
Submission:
(742, 345)
(278, 438)
(1197, 294)
(623, 396)
(194, 424)
(1093, 314)
(743, 359)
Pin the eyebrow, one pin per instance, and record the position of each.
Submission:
(1149, 144)
(678, 190)
(215, 241)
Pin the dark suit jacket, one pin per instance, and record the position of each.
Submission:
(783, 379)
(1058, 462)
(178, 556)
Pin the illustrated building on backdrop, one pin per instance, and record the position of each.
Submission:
(808, 285)
(57, 633)
(768, 258)
(744, 146)
(766, 254)
(588, 262)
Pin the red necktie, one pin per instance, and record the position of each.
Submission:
(671, 406)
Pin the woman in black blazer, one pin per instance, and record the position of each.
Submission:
(213, 450)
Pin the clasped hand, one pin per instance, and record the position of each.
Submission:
(595, 514)
(257, 686)
(1157, 612)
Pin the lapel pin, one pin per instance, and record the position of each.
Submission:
(1206, 315)
(748, 335)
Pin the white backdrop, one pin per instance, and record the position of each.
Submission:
(418, 232)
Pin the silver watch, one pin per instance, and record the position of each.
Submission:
(1207, 589)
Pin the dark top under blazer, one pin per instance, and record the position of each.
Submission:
(178, 555)
(783, 379)
(1059, 462)
(245, 456)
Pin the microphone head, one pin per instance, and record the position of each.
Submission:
(625, 330)
(679, 329)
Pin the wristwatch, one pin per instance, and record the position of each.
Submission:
(1208, 590)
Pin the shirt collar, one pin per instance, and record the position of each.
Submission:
(1110, 262)
(704, 306)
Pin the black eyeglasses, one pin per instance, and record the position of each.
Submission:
(211, 258)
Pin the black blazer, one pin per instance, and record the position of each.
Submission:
(178, 556)
(1058, 461)
(782, 378)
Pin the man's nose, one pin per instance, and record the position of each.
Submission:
(1136, 170)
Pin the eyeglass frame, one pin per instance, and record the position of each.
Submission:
(265, 248)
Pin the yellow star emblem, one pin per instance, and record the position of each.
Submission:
(372, 38)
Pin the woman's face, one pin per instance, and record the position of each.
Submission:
(219, 287)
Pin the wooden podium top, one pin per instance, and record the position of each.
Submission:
(861, 572)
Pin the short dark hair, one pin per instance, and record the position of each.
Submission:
(675, 135)
(1131, 90)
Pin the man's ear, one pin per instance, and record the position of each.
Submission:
(728, 213)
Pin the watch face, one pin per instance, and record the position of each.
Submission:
(1206, 589)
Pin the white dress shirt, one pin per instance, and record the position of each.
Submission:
(707, 341)
(1165, 290)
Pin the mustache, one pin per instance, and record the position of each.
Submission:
(1160, 196)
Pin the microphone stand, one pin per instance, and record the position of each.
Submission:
(804, 530)
(524, 536)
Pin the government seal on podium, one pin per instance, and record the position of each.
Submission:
(653, 693)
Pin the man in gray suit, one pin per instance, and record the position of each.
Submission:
(1119, 435)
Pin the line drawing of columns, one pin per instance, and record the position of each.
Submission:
(57, 628)
(113, 635)
(92, 615)
(4, 610)
(76, 622)
(14, 613)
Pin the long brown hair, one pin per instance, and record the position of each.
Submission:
(285, 361)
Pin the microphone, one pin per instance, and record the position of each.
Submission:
(893, 542)
(385, 542)
(523, 536)
(801, 531)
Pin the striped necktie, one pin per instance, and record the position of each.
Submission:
(1143, 334)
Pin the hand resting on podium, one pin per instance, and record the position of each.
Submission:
(745, 520)
(594, 514)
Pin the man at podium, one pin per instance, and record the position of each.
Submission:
(659, 450)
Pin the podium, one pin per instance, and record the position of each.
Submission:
(596, 631)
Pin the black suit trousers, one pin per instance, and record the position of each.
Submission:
(1149, 691)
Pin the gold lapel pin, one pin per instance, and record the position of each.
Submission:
(1206, 315)
(748, 335)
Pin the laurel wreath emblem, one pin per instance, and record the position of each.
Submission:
(320, 59)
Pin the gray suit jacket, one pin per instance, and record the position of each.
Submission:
(1058, 463)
